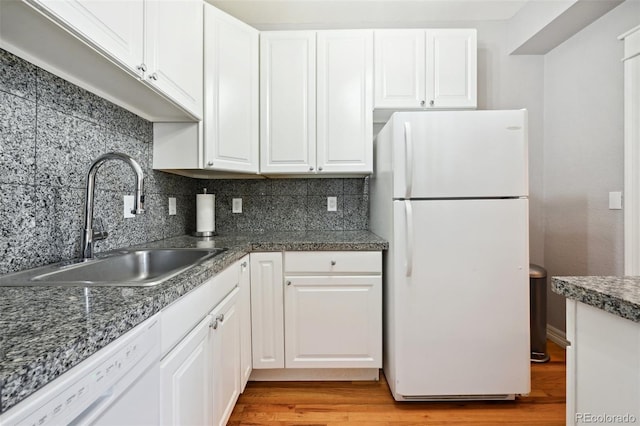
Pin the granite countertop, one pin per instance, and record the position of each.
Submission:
(45, 331)
(617, 295)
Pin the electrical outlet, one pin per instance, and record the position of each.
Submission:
(236, 205)
(172, 206)
(332, 204)
(128, 206)
(615, 200)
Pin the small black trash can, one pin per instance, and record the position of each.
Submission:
(538, 312)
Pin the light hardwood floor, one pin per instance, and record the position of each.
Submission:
(371, 403)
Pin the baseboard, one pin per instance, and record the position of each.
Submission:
(314, 374)
(557, 336)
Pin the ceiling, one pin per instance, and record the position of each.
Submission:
(326, 14)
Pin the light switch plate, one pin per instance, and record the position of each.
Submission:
(172, 206)
(332, 204)
(615, 200)
(236, 205)
(128, 206)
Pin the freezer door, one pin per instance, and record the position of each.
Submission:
(457, 154)
(461, 297)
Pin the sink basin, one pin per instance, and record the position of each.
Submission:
(130, 267)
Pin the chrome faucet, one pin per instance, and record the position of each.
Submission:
(88, 234)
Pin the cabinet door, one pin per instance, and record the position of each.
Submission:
(287, 102)
(333, 322)
(225, 358)
(451, 68)
(267, 310)
(114, 28)
(245, 322)
(231, 93)
(399, 68)
(604, 355)
(345, 101)
(185, 382)
(173, 51)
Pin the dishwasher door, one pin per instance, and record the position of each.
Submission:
(137, 405)
(118, 385)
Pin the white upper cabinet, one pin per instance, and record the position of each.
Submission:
(227, 139)
(156, 42)
(426, 68)
(173, 50)
(231, 93)
(287, 101)
(316, 102)
(345, 101)
(114, 28)
(400, 68)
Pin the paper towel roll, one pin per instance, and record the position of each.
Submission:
(205, 213)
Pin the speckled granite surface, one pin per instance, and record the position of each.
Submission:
(44, 331)
(617, 295)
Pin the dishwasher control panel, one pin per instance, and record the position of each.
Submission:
(77, 393)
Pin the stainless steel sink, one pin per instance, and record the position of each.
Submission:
(130, 267)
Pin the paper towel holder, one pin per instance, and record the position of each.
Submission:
(204, 234)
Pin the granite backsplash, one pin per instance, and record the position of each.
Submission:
(290, 204)
(52, 130)
(50, 133)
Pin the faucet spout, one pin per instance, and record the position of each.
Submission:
(88, 234)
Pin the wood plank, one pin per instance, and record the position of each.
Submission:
(371, 403)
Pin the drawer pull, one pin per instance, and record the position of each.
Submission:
(288, 282)
(333, 263)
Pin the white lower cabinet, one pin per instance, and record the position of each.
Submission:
(184, 380)
(603, 367)
(225, 358)
(333, 321)
(244, 303)
(267, 310)
(323, 312)
(200, 372)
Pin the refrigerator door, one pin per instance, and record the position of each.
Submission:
(461, 292)
(460, 154)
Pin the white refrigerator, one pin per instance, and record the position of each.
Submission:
(450, 195)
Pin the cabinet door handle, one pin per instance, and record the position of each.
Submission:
(333, 263)
(142, 67)
(422, 103)
(220, 318)
(310, 169)
(288, 282)
(431, 102)
(244, 264)
(154, 76)
(319, 169)
(210, 163)
(214, 325)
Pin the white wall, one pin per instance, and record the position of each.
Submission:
(583, 152)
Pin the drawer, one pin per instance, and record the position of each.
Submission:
(332, 262)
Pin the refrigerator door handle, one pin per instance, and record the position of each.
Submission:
(408, 160)
(409, 257)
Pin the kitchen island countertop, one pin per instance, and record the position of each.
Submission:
(617, 295)
(47, 330)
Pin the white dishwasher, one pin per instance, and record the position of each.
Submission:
(116, 386)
